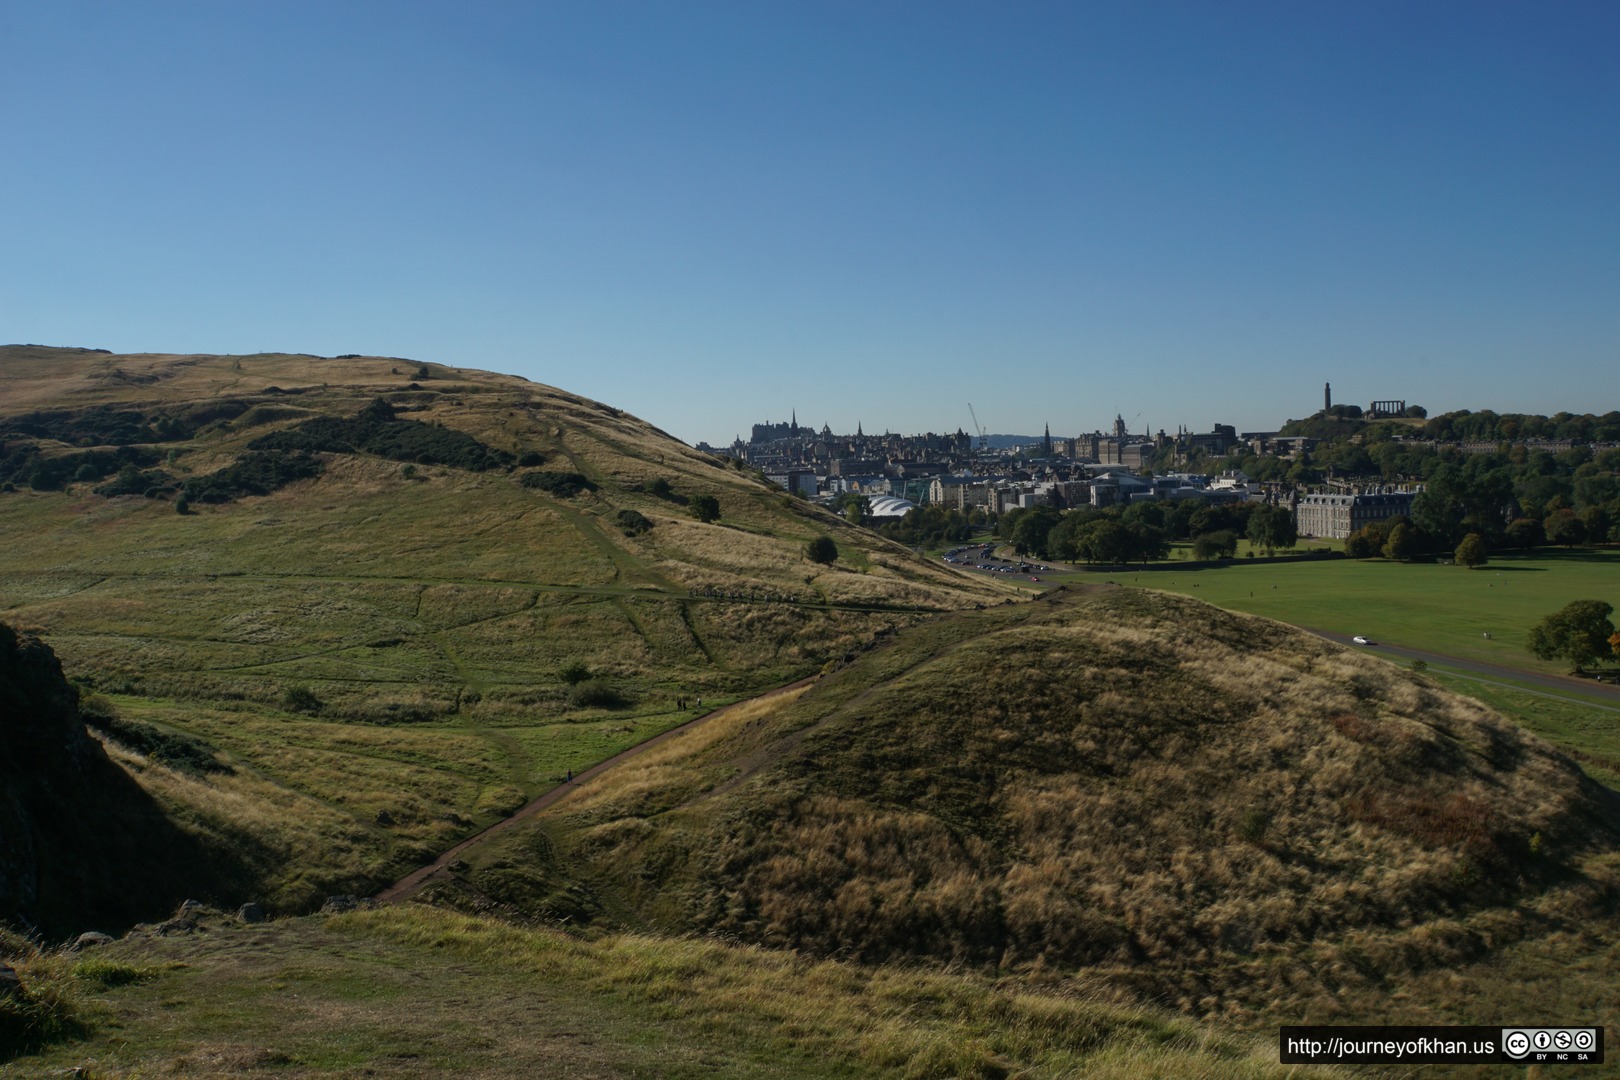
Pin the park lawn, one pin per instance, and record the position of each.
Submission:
(1587, 730)
(1442, 609)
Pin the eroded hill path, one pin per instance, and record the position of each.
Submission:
(412, 883)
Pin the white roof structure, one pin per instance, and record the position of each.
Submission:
(889, 506)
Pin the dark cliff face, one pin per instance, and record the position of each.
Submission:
(81, 845)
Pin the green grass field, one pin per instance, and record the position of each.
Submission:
(1443, 609)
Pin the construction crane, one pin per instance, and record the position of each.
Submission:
(984, 440)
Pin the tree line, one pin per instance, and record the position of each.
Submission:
(1144, 531)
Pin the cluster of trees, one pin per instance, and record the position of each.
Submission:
(102, 425)
(934, 525)
(1143, 531)
(131, 480)
(257, 472)
(378, 430)
(1580, 633)
(1518, 478)
(1454, 510)
(22, 463)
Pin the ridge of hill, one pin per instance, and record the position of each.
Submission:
(402, 598)
(1202, 808)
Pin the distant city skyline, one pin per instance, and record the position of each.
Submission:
(710, 214)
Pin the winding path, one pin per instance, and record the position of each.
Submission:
(1491, 673)
(411, 883)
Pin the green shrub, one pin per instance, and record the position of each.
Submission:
(177, 750)
(633, 523)
(561, 484)
(301, 699)
(822, 550)
(705, 508)
(378, 430)
(154, 483)
(597, 694)
(104, 974)
(575, 673)
(258, 472)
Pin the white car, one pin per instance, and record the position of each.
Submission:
(1359, 640)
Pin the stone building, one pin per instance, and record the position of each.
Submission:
(1335, 517)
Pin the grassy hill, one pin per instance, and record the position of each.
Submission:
(1126, 788)
(331, 615)
(369, 616)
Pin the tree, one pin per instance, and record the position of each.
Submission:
(705, 508)
(1102, 540)
(822, 550)
(1147, 542)
(1596, 521)
(852, 506)
(1401, 545)
(1564, 527)
(1524, 533)
(1030, 532)
(1361, 544)
(1215, 545)
(1471, 552)
(1578, 633)
(1272, 527)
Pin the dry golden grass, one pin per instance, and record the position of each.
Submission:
(1233, 817)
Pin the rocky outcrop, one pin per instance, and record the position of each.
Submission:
(80, 843)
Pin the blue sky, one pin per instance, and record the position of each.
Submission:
(712, 213)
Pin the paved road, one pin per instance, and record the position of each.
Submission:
(410, 884)
(1491, 673)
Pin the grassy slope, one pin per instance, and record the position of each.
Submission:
(1216, 811)
(410, 992)
(1444, 609)
(429, 614)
